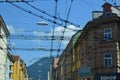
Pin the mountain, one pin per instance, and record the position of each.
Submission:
(39, 70)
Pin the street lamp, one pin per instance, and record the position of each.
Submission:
(42, 23)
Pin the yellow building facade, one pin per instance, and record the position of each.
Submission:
(76, 56)
(16, 67)
(19, 69)
(69, 61)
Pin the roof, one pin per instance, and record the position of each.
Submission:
(98, 21)
(4, 26)
(16, 57)
(108, 4)
(71, 43)
(10, 57)
(117, 7)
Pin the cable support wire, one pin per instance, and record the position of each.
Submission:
(16, 0)
(29, 49)
(34, 14)
(30, 12)
(56, 1)
(55, 17)
(21, 31)
(69, 10)
(30, 37)
(66, 22)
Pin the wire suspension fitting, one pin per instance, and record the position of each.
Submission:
(44, 12)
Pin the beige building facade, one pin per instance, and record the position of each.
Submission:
(95, 55)
(4, 33)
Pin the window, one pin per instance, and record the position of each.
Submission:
(107, 34)
(108, 60)
(107, 13)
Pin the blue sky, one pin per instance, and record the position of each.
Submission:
(21, 23)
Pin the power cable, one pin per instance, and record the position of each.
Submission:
(29, 49)
(16, 0)
(55, 17)
(56, 3)
(28, 11)
(44, 17)
(21, 31)
(41, 37)
(34, 14)
(69, 10)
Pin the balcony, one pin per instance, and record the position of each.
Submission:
(11, 71)
(11, 64)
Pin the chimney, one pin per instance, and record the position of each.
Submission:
(107, 11)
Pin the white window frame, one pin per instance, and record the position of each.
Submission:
(107, 34)
(108, 60)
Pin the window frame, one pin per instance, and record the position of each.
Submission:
(107, 13)
(108, 59)
(107, 34)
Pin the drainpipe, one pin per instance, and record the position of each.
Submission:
(118, 57)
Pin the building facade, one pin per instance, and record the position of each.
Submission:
(16, 67)
(9, 65)
(23, 73)
(99, 46)
(4, 33)
(54, 69)
(67, 64)
(9, 70)
(19, 69)
(95, 54)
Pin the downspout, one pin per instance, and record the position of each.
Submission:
(118, 56)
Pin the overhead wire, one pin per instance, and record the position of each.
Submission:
(42, 17)
(54, 22)
(15, 0)
(55, 17)
(28, 49)
(31, 49)
(40, 37)
(69, 10)
(27, 31)
(56, 3)
(32, 13)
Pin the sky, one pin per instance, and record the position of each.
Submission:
(22, 23)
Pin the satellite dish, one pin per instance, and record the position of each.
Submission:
(42, 23)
